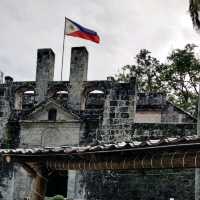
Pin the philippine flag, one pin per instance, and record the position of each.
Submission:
(76, 30)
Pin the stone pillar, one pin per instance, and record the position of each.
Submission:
(71, 184)
(7, 100)
(197, 184)
(18, 100)
(44, 72)
(78, 74)
(76, 185)
(1, 77)
(22, 181)
(8, 91)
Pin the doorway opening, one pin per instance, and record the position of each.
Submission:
(57, 184)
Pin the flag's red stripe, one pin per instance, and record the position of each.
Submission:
(94, 38)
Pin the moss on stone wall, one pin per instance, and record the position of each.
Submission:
(11, 139)
(140, 185)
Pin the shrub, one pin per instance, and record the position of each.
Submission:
(57, 197)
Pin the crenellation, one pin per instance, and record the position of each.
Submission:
(78, 74)
(44, 72)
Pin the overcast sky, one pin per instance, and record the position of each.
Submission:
(123, 26)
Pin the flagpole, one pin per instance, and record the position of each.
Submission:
(63, 50)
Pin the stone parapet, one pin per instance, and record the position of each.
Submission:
(140, 131)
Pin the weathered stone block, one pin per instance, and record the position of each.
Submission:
(113, 103)
(124, 115)
(123, 109)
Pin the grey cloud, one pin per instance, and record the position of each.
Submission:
(124, 27)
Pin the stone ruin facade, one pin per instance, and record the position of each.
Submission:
(81, 112)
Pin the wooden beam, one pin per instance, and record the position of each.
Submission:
(164, 160)
(38, 193)
(28, 168)
(39, 180)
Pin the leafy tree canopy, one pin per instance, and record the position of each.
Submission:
(179, 77)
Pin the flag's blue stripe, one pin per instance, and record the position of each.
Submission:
(83, 29)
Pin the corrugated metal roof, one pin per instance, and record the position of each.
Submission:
(105, 147)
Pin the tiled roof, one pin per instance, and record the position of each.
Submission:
(134, 145)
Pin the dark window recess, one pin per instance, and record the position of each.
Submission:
(57, 184)
(2, 103)
(113, 103)
(1, 114)
(52, 114)
(123, 109)
(112, 115)
(1, 93)
(124, 115)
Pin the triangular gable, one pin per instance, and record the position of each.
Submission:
(180, 110)
(40, 113)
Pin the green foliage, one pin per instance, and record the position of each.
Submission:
(182, 75)
(147, 71)
(12, 135)
(57, 197)
(179, 77)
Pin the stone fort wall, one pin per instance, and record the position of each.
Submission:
(105, 111)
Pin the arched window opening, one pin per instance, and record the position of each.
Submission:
(96, 92)
(28, 99)
(29, 92)
(62, 92)
(95, 99)
(2, 92)
(61, 95)
(52, 114)
(24, 98)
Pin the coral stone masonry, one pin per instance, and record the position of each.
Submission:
(48, 113)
